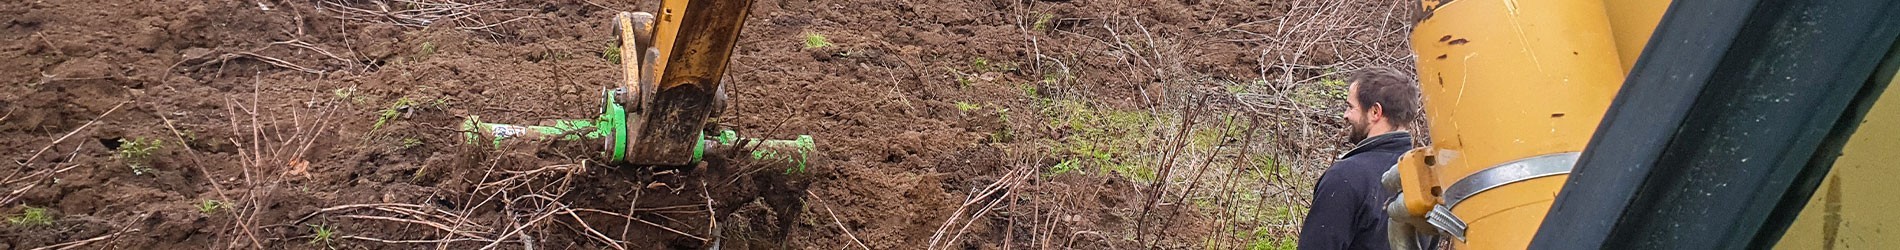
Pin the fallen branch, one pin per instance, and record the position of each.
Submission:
(36, 155)
(270, 60)
(834, 219)
(422, 222)
(668, 229)
(439, 241)
(71, 245)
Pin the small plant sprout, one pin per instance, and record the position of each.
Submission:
(967, 107)
(427, 49)
(439, 102)
(815, 40)
(980, 64)
(1064, 167)
(408, 143)
(343, 93)
(1235, 87)
(137, 153)
(31, 216)
(1334, 86)
(323, 235)
(1002, 134)
(347, 94)
(1042, 21)
(391, 113)
(611, 52)
(210, 206)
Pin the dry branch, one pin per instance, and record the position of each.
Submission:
(834, 219)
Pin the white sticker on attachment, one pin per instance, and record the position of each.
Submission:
(506, 131)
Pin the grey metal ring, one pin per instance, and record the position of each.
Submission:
(1510, 172)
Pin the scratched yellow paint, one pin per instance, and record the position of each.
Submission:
(1506, 80)
(1855, 207)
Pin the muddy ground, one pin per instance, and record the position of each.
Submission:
(966, 124)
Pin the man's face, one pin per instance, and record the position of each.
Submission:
(1355, 115)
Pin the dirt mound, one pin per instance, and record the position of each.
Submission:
(946, 124)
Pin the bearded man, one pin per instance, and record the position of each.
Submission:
(1348, 202)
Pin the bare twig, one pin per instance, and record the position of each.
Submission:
(437, 241)
(1000, 188)
(591, 233)
(76, 244)
(669, 229)
(712, 217)
(272, 61)
(423, 13)
(834, 219)
(446, 228)
(36, 155)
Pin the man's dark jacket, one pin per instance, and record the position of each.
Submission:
(1348, 203)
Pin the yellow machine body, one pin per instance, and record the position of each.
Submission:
(1631, 23)
(1509, 86)
(666, 29)
(1853, 208)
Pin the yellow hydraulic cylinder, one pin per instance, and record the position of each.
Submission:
(1632, 21)
(1513, 91)
(666, 30)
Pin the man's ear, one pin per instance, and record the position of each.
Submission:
(1375, 113)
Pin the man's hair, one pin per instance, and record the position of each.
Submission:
(1396, 95)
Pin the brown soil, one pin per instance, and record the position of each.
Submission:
(287, 113)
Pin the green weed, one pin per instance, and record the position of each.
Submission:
(985, 65)
(1029, 90)
(967, 107)
(815, 40)
(324, 234)
(1262, 238)
(209, 206)
(343, 93)
(1207, 138)
(1003, 134)
(188, 134)
(611, 52)
(1064, 167)
(555, 56)
(137, 153)
(427, 49)
(439, 103)
(1252, 219)
(1108, 140)
(390, 114)
(1267, 165)
(31, 216)
(1335, 88)
(1052, 78)
(1237, 88)
(347, 94)
(1328, 91)
(1042, 21)
(408, 143)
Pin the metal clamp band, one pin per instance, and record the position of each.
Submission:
(1510, 172)
(1442, 218)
